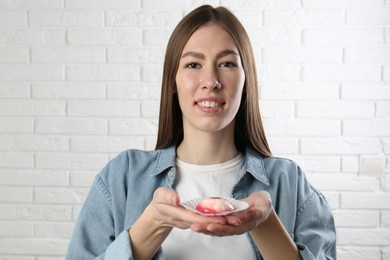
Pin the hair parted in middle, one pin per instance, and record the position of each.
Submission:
(248, 124)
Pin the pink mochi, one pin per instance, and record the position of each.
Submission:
(214, 205)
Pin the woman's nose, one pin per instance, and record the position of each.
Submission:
(211, 80)
(212, 85)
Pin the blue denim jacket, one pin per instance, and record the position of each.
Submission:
(124, 188)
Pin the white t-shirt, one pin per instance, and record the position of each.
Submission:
(201, 181)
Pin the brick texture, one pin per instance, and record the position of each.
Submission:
(80, 82)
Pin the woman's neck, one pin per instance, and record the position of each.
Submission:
(206, 150)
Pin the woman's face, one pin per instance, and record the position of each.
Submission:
(209, 80)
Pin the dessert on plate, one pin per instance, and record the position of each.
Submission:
(214, 205)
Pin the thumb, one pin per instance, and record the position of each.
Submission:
(166, 196)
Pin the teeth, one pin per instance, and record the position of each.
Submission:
(208, 104)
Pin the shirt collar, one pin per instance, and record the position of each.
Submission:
(165, 159)
(254, 163)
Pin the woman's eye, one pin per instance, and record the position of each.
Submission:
(228, 64)
(192, 65)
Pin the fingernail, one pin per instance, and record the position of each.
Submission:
(222, 222)
(237, 222)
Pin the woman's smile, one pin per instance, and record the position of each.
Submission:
(209, 104)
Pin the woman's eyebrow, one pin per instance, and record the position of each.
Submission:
(193, 54)
(226, 53)
(200, 55)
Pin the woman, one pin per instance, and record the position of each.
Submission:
(210, 143)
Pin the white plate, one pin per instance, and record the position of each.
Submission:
(237, 204)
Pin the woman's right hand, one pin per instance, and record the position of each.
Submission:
(166, 210)
(162, 214)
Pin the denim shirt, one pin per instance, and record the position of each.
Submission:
(124, 188)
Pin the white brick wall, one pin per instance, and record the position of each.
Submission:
(79, 82)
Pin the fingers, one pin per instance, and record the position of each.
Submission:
(258, 198)
(234, 226)
(169, 211)
(260, 205)
(166, 196)
(214, 229)
(192, 218)
(167, 203)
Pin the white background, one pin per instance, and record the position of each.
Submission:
(80, 82)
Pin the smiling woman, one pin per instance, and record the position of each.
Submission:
(209, 81)
(170, 129)
(211, 143)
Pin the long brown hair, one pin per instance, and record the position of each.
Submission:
(248, 124)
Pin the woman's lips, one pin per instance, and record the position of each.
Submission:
(209, 104)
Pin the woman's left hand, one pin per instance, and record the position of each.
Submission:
(260, 206)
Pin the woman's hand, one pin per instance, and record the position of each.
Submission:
(260, 207)
(162, 214)
(167, 212)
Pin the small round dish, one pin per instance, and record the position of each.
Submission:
(237, 204)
